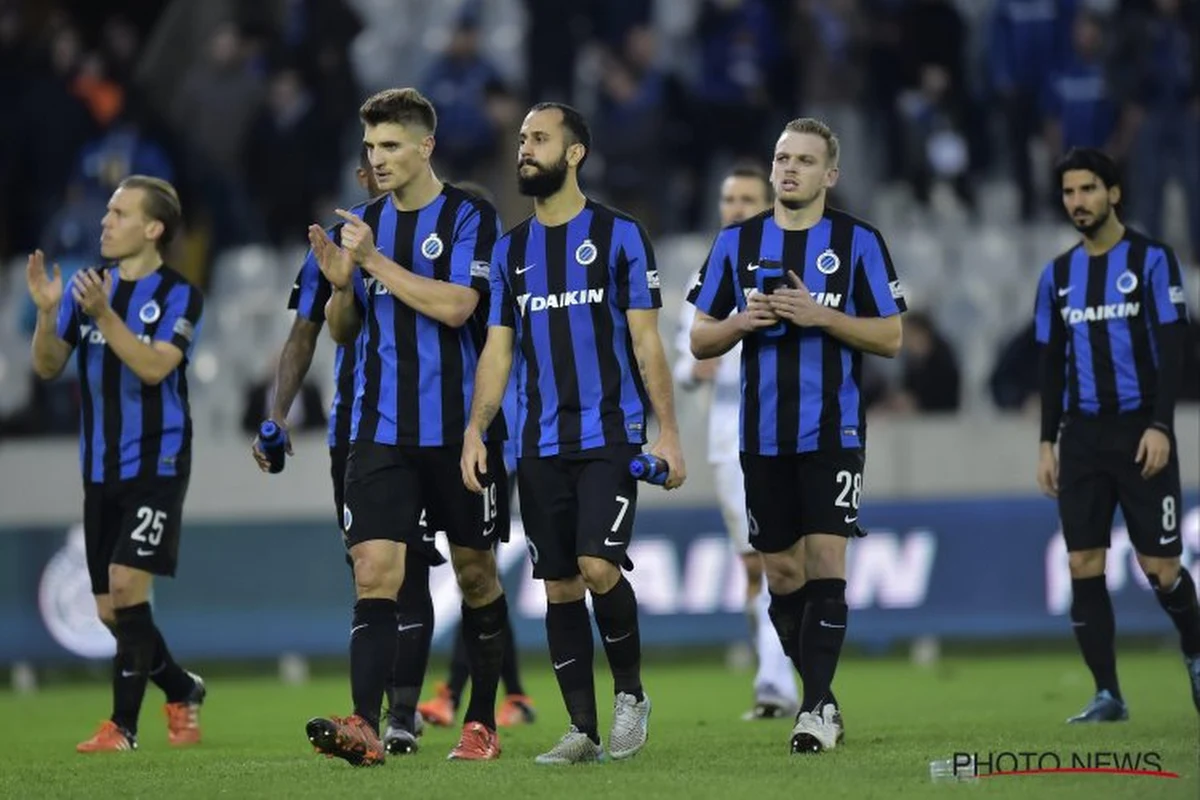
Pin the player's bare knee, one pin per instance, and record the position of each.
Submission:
(1086, 563)
(127, 586)
(599, 576)
(376, 574)
(477, 577)
(824, 556)
(568, 590)
(1160, 572)
(104, 610)
(784, 572)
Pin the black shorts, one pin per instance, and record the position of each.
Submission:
(1097, 472)
(407, 494)
(134, 523)
(578, 504)
(791, 496)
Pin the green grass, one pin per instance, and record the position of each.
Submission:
(898, 717)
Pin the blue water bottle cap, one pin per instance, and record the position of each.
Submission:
(272, 441)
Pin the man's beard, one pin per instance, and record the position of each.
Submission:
(545, 182)
(1090, 228)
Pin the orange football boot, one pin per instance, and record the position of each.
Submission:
(517, 709)
(477, 743)
(110, 738)
(349, 738)
(183, 718)
(440, 710)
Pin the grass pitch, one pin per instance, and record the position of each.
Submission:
(898, 716)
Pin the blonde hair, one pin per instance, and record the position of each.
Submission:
(160, 202)
(816, 127)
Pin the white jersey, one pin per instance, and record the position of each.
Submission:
(724, 413)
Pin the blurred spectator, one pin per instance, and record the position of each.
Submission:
(289, 164)
(119, 43)
(122, 150)
(740, 45)
(1190, 388)
(54, 125)
(1015, 381)
(307, 412)
(1028, 42)
(935, 143)
(103, 96)
(833, 36)
(1163, 50)
(933, 104)
(929, 379)
(554, 35)
(629, 117)
(465, 88)
(1080, 103)
(212, 112)
(317, 34)
(884, 81)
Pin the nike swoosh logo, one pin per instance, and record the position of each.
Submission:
(524, 269)
(489, 530)
(610, 543)
(1065, 292)
(429, 538)
(1165, 540)
(142, 552)
(558, 666)
(413, 627)
(850, 520)
(825, 624)
(752, 267)
(483, 637)
(618, 639)
(127, 674)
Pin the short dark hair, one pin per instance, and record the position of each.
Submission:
(748, 170)
(405, 107)
(575, 124)
(160, 202)
(1098, 162)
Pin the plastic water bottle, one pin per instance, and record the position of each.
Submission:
(650, 469)
(273, 443)
(953, 770)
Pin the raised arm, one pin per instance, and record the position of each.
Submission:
(57, 329)
(449, 302)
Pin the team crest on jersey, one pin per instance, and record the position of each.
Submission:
(432, 247)
(586, 253)
(828, 262)
(150, 313)
(1126, 282)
